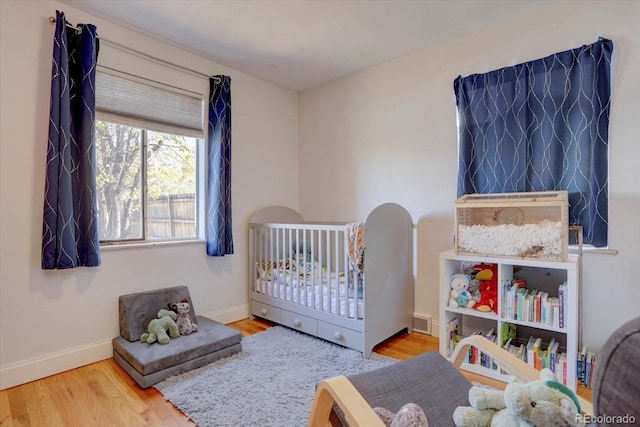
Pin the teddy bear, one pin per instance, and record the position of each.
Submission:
(158, 328)
(460, 296)
(488, 279)
(184, 322)
(474, 290)
(410, 415)
(543, 403)
(474, 284)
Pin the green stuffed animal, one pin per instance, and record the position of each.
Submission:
(157, 329)
(542, 403)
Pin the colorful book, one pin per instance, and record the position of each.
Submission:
(582, 364)
(587, 376)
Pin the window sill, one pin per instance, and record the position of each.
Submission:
(116, 246)
(586, 250)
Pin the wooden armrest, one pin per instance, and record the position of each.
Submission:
(358, 412)
(340, 390)
(505, 360)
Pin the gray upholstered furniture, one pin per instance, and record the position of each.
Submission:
(616, 385)
(429, 371)
(436, 385)
(149, 364)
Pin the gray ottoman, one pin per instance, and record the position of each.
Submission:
(149, 364)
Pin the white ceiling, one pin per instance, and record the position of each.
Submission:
(300, 44)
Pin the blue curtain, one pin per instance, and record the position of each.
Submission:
(541, 125)
(219, 230)
(70, 226)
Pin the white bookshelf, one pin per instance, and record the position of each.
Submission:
(542, 275)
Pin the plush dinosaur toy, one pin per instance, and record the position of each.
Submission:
(542, 403)
(158, 328)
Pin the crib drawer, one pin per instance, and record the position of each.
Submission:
(301, 323)
(266, 311)
(340, 335)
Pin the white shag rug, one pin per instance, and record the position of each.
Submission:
(270, 383)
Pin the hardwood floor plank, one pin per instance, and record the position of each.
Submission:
(106, 397)
(5, 410)
(156, 411)
(63, 390)
(40, 405)
(103, 393)
(19, 414)
(250, 327)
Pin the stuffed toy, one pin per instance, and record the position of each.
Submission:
(488, 278)
(157, 329)
(474, 290)
(460, 296)
(184, 322)
(474, 284)
(543, 403)
(410, 415)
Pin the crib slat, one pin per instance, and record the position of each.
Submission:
(337, 235)
(325, 247)
(304, 271)
(320, 294)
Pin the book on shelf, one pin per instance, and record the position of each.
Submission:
(534, 352)
(561, 368)
(582, 364)
(587, 375)
(453, 343)
(507, 331)
(553, 353)
(452, 331)
(533, 305)
(562, 303)
(586, 365)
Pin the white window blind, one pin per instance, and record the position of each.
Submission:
(148, 106)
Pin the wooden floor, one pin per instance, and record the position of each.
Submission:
(102, 394)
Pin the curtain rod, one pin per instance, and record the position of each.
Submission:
(117, 45)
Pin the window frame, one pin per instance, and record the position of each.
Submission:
(198, 194)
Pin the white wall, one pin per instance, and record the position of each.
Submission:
(386, 134)
(389, 134)
(57, 320)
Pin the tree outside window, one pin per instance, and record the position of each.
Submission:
(147, 184)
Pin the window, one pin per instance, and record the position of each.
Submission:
(127, 157)
(541, 125)
(147, 162)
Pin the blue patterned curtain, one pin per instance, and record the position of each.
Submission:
(219, 231)
(70, 226)
(541, 125)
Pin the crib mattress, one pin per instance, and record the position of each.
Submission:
(330, 298)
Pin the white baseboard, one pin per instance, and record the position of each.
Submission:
(36, 368)
(25, 371)
(230, 315)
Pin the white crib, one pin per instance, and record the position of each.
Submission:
(310, 276)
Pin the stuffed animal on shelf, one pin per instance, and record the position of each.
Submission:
(158, 328)
(544, 402)
(410, 415)
(474, 290)
(185, 324)
(460, 296)
(488, 278)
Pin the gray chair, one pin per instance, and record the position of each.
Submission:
(436, 385)
(616, 383)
